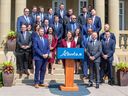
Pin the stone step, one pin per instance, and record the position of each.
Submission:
(49, 76)
(59, 78)
(31, 81)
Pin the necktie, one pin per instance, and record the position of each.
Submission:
(56, 25)
(50, 16)
(107, 41)
(24, 34)
(27, 19)
(93, 19)
(85, 15)
(88, 39)
(42, 16)
(35, 16)
(42, 39)
(90, 26)
(73, 27)
(61, 13)
(93, 43)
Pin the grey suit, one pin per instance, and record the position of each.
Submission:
(94, 49)
(23, 54)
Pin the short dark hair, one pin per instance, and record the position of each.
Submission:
(25, 9)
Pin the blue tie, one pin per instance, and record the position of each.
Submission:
(42, 39)
(73, 27)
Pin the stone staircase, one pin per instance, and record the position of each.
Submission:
(57, 77)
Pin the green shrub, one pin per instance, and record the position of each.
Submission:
(122, 66)
(11, 35)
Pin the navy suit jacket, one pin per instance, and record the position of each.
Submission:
(58, 31)
(112, 36)
(69, 26)
(44, 14)
(34, 35)
(51, 20)
(108, 49)
(60, 18)
(21, 20)
(85, 29)
(40, 49)
(33, 16)
(84, 42)
(82, 20)
(98, 24)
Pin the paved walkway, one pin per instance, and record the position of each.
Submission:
(28, 90)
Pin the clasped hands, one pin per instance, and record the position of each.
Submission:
(24, 47)
(92, 58)
(45, 56)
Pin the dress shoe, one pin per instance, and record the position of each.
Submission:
(36, 86)
(97, 86)
(43, 85)
(90, 84)
(110, 82)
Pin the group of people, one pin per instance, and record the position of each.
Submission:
(39, 34)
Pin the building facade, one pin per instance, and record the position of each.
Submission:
(111, 11)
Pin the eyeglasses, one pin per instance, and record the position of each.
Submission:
(73, 18)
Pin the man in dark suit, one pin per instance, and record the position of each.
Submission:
(50, 16)
(58, 29)
(34, 13)
(41, 13)
(96, 21)
(67, 18)
(82, 19)
(73, 25)
(25, 19)
(85, 64)
(108, 49)
(41, 50)
(46, 25)
(107, 29)
(38, 21)
(87, 26)
(61, 13)
(23, 48)
(93, 52)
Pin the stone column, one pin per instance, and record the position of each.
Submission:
(19, 7)
(100, 10)
(114, 18)
(5, 17)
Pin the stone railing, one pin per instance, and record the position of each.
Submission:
(123, 39)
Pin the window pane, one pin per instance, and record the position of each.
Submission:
(121, 11)
(81, 3)
(85, 3)
(120, 5)
(120, 22)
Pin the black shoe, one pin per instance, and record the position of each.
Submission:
(90, 84)
(97, 86)
(110, 82)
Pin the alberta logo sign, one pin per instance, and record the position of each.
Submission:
(70, 53)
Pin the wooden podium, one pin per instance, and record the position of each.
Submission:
(69, 76)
